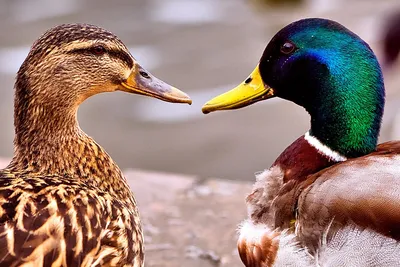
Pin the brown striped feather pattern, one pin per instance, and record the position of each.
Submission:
(63, 200)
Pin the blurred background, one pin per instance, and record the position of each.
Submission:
(203, 47)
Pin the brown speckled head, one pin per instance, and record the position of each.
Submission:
(64, 67)
(70, 63)
(65, 34)
(82, 57)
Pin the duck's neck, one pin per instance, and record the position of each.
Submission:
(49, 141)
(304, 157)
(323, 149)
(346, 129)
(347, 100)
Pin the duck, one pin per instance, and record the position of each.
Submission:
(335, 174)
(63, 200)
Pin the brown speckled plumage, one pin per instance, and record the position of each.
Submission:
(54, 220)
(63, 200)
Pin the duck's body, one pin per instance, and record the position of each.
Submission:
(86, 218)
(310, 190)
(335, 174)
(347, 246)
(314, 189)
(336, 194)
(63, 200)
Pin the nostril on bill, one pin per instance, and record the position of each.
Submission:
(248, 80)
(144, 74)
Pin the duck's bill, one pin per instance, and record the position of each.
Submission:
(249, 92)
(142, 82)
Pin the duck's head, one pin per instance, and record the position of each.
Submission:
(72, 62)
(80, 60)
(327, 69)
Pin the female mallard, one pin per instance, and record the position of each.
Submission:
(63, 200)
(335, 171)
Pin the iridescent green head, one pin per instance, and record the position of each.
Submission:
(331, 72)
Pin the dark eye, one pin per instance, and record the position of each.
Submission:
(287, 48)
(99, 50)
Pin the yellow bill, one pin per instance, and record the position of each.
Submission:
(250, 91)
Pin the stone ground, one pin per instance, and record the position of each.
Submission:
(188, 221)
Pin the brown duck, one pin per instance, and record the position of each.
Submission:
(63, 200)
(335, 174)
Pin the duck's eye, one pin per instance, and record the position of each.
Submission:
(99, 50)
(287, 48)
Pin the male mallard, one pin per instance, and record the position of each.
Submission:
(335, 173)
(63, 200)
